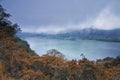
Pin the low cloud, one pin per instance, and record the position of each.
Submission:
(106, 20)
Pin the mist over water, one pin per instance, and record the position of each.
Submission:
(72, 49)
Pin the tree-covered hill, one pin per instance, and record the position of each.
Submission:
(88, 33)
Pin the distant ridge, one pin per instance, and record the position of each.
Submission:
(89, 33)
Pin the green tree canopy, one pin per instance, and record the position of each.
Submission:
(7, 27)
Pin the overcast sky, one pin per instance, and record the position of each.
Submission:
(53, 16)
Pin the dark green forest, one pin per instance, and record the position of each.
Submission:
(19, 62)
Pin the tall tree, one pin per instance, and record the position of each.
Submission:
(7, 28)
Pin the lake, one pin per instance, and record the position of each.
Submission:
(72, 49)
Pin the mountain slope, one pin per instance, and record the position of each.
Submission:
(93, 34)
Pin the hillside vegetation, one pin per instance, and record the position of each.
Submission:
(19, 62)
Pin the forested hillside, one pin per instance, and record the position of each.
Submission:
(19, 62)
(85, 34)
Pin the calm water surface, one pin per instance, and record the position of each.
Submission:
(72, 49)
